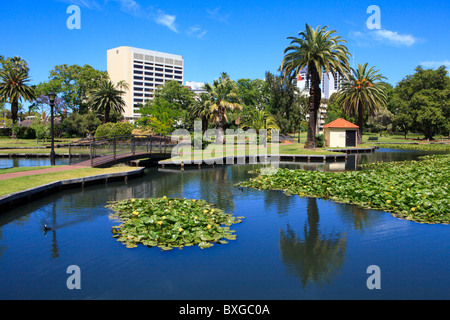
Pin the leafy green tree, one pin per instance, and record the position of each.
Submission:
(422, 102)
(107, 98)
(363, 93)
(14, 86)
(285, 103)
(159, 115)
(73, 83)
(223, 93)
(319, 51)
(253, 93)
(181, 98)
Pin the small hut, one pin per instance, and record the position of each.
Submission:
(341, 133)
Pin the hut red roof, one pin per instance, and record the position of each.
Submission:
(340, 123)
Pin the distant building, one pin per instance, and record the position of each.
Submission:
(330, 83)
(143, 70)
(196, 87)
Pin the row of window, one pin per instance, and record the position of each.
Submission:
(141, 63)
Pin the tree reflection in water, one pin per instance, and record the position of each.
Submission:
(315, 258)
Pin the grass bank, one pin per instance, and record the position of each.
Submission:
(27, 182)
(412, 190)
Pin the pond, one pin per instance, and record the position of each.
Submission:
(6, 163)
(287, 247)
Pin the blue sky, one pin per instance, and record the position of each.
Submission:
(243, 38)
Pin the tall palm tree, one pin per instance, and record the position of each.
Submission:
(319, 51)
(364, 92)
(223, 94)
(107, 98)
(14, 88)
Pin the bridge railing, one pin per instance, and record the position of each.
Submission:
(112, 148)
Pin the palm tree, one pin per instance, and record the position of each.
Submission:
(223, 94)
(259, 119)
(364, 92)
(319, 51)
(14, 88)
(107, 98)
(202, 109)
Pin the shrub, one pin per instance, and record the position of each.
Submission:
(320, 140)
(114, 129)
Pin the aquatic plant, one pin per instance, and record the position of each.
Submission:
(413, 190)
(171, 223)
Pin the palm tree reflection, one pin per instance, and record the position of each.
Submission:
(317, 257)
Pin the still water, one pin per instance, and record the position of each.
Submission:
(286, 248)
(6, 163)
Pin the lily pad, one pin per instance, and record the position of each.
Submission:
(170, 223)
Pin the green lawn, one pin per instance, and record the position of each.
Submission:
(21, 169)
(27, 182)
(215, 151)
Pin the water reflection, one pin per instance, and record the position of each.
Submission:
(314, 256)
(6, 163)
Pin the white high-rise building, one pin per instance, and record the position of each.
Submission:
(329, 84)
(143, 71)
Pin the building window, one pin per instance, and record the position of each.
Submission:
(138, 83)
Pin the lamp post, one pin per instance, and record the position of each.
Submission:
(265, 129)
(51, 99)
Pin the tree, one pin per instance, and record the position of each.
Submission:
(223, 94)
(259, 119)
(14, 86)
(362, 93)
(287, 106)
(159, 115)
(73, 83)
(422, 102)
(201, 108)
(107, 98)
(181, 98)
(319, 51)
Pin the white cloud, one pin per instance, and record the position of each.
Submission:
(394, 38)
(166, 20)
(215, 14)
(383, 36)
(196, 31)
(435, 64)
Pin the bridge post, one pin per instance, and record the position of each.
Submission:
(114, 148)
(133, 145)
(151, 144)
(91, 155)
(160, 144)
(70, 154)
(165, 144)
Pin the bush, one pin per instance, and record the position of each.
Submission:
(320, 141)
(114, 129)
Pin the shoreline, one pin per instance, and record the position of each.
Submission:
(25, 196)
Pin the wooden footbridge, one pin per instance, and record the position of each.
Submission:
(110, 150)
